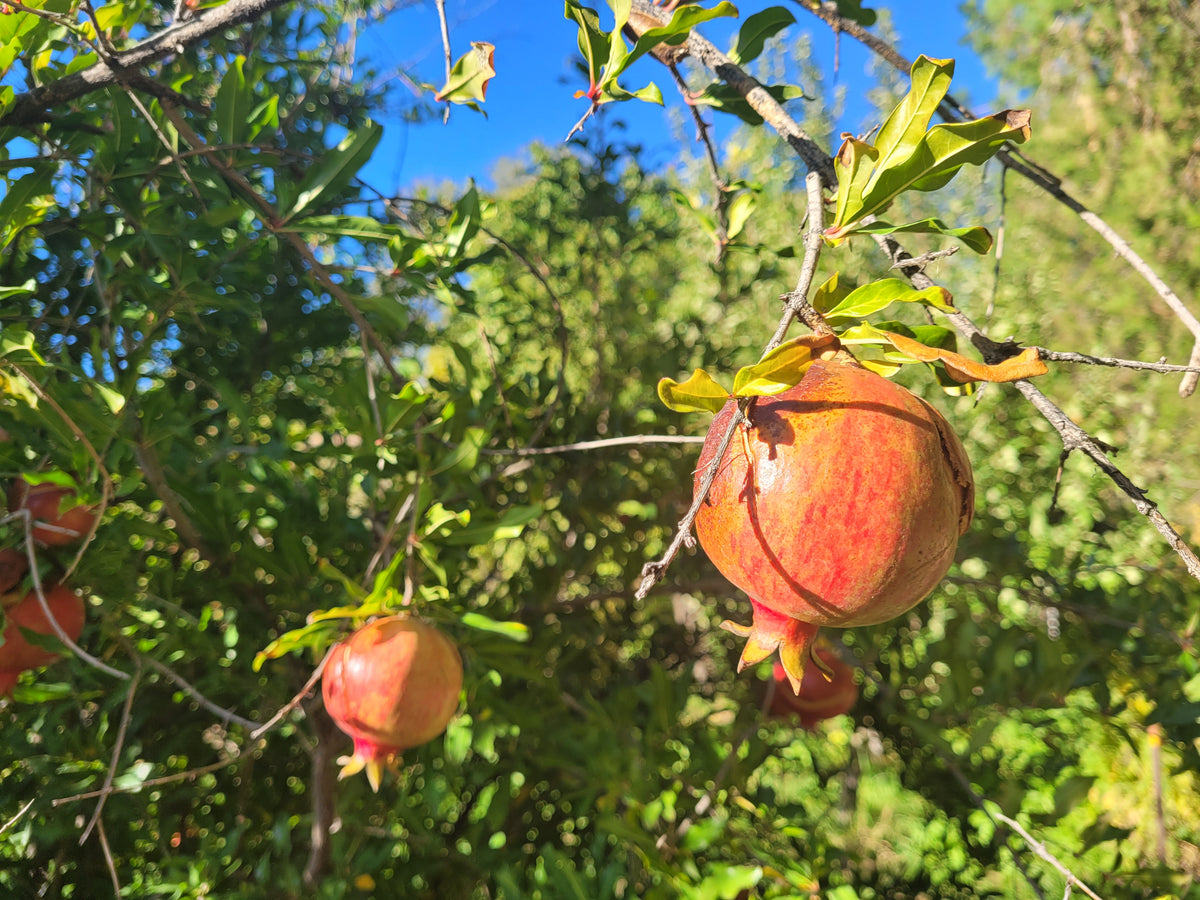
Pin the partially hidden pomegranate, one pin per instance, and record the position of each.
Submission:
(13, 566)
(840, 504)
(391, 685)
(17, 654)
(57, 521)
(826, 690)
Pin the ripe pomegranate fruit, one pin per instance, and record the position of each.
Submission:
(53, 526)
(391, 685)
(841, 504)
(822, 694)
(16, 653)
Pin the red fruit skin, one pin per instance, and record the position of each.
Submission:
(819, 698)
(17, 654)
(52, 525)
(391, 685)
(13, 566)
(850, 513)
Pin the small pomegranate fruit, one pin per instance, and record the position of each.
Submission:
(827, 690)
(16, 653)
(53, 526)
(391, 685)
(841, 504)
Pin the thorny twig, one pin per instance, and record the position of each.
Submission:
(441, 11)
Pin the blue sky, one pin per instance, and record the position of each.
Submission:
(531, 97)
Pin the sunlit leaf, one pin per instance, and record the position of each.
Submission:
(468, 81)
(700, 393)
(780, 369)
(333, 173)
(878, 295)
(514, 631)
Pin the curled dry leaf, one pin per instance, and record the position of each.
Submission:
(1026, 364)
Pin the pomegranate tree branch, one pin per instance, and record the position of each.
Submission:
(1073, 436)
(953, 111)
(35, 105)
(1086, 359)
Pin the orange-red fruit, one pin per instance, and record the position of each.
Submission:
(822, 695)
(17, 654)
(840, 506)
(391, 685)
(55, 524)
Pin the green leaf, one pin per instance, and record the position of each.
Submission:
(776, 372)
(363, 228)
(675, 32)
(757, 30)
(17, 338)
(462, 458)
(514, 631)
(700, 393)
(114, 400)
(593, 43)
(871, 298)
(906, 156)
(856, 12)
(233, 103)
(438, 518)
(976, 237)
(315, 636)
(507, 527)
(464, 223)
(830, 294)
(722, 97)
(739, 212)
(468, 81)
(336, 169)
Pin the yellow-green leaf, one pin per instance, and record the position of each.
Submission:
(700, 393)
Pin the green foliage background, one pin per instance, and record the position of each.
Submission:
(257, 441)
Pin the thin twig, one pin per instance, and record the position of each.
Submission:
(919, 262)
(108, 860)
(441, 11)
(1086, 359)
(118, 746)
(20, 812)
(273, 221)
(635, 440)
(797, 305)
(295, 701)
(225, 715)
(1045, 854)
(720, 185)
